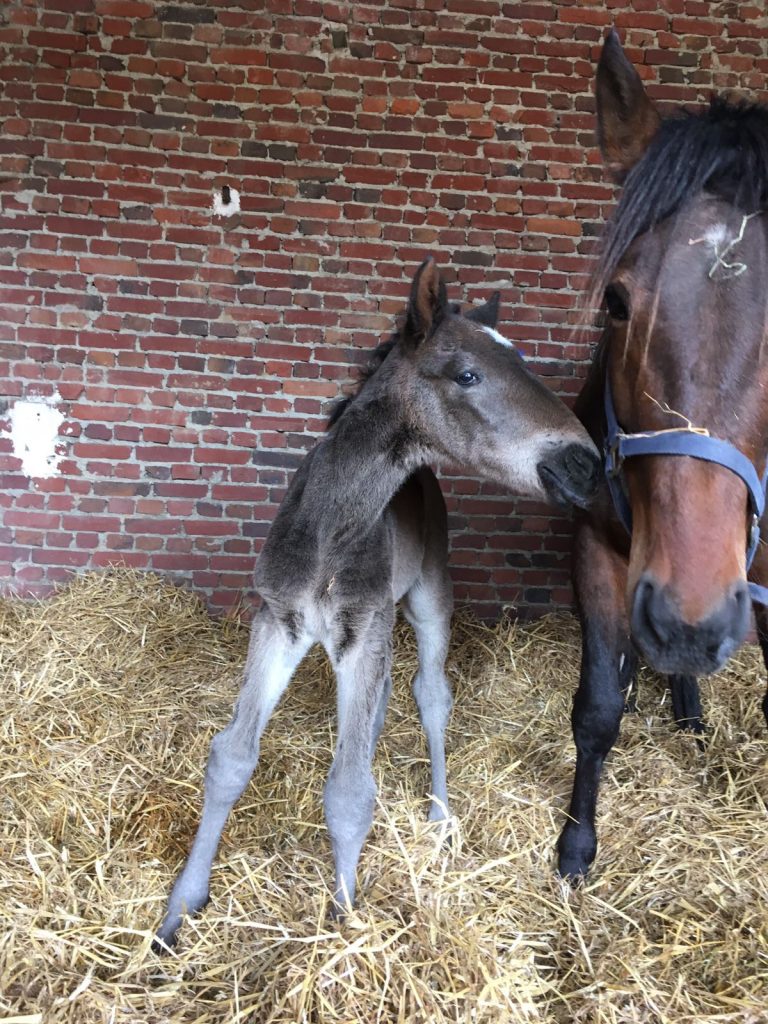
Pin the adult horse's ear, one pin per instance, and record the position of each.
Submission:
(627, 120)
(427, 305)
(488, 313)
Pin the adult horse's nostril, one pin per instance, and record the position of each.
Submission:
(672, 645)
(653, 616)
(739, 610)
(570, 474)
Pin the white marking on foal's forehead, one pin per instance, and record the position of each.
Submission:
(498, 337)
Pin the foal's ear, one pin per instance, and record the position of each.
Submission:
(488, 313)
(427, 305)
(627, 120)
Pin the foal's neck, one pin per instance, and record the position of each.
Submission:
(343, 487)
(372, 450)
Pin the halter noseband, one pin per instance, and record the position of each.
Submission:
(697, 444)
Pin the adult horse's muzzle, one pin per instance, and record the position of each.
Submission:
(673, 646)
(570, 474)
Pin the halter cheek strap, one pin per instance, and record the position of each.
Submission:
(696, 443)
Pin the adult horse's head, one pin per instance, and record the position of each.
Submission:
(475, 402)
(684, 275)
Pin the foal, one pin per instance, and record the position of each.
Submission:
(363, 525)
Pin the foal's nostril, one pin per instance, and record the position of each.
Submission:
(569, 473)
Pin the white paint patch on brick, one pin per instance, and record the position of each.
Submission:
(220, 209)
(34, 434)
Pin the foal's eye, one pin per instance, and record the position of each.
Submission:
(467, 378)
(617, 302)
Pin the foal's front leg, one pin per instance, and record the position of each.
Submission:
(599, 581)
(363, 677)
(272, 659)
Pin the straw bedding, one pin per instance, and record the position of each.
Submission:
(111, 691)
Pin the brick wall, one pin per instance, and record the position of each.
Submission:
(193, 358)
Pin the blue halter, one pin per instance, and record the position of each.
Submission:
(681, 441)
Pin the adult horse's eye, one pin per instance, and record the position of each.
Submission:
(617, 302)
(467, 378)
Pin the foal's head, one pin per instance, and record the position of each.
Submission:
(474, 402)
(684, 275)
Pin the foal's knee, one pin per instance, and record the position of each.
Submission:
(349, 799)
(228, 770)
(434, 699)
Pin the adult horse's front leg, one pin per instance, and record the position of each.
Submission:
(686, 703)
(362, 663)
(600, 581)
(273, 655)
(759, 573)
(761, 621)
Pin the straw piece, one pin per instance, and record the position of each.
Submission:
(111, 691)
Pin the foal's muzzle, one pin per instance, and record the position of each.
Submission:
(671, 645)
(570, 474)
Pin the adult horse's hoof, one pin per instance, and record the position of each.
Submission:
(576, 849)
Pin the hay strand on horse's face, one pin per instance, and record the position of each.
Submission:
(111, 692)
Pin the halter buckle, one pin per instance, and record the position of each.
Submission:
(754, 538)
(613, 457)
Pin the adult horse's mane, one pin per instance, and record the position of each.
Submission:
(722, 149)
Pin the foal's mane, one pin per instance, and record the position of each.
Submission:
(722, 149)
(367, 371)
(375, 360)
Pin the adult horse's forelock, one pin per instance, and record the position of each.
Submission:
(663, 163)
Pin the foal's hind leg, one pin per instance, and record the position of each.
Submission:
(272, 658)
(362, 674)
(428, 606)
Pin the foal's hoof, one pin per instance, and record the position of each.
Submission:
(440, 817)
(163, 946)
(339, 911)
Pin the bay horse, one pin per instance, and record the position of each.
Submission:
(677, 396)
(363, 526)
